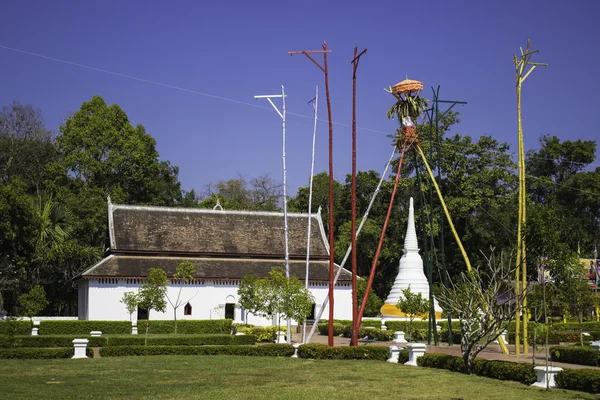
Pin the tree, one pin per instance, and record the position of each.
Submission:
(102, 149)
(277, 295)
(484, 302)
(131, 301)
(33, 302)
(374, 303)
(413, 305)
(152, 294)
(183, 275)
(262, 193)
(248, 297)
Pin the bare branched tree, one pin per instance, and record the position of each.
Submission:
(484, 300)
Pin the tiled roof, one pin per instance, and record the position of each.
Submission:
(228, 233)
(208, 268)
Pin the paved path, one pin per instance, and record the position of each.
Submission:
(492, 352)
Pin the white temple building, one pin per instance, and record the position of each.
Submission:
(223, 246)
(410, 273)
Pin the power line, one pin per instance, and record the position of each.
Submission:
(152, 82)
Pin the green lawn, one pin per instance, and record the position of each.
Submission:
(230, 377)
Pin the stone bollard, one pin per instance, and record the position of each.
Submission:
(134, 330)
(383, 327)
(280, 338)
(399, 337)
(503, 336)
(36, 323)
(596, 345)
(96, 333)
(438, 328)
(415, 350)
(239, 333)
(394, 354)
(34, 331)
(296, 345)
(541, 376)
(80, 346)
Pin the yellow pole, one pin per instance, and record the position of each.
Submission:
(449, 219)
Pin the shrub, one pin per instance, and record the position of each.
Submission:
(338, 328)
(505, 370)
(49, 341)
(370, 322)
(29, 353)
(267, 350)
(372, 334)
(187, 326)
(403, 325)
(182, 340)
(502, 370)
(321, 351)
(261, 333)
(13, 326)
(574, 355)
(403, 356)
(456, 336)
(585, 380)
(84, 327)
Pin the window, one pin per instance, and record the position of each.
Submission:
(142, 313)
(229, 310)
(187, 310)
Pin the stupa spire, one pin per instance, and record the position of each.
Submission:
(410, 241)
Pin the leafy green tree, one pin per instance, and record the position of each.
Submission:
(102, 149)
(152, 294)
(413, 305)
(262, 193)
(131, 301)
(374, 303)
(248, 296)
(33, 303)
(183, 275)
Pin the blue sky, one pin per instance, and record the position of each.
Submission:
(238, 49)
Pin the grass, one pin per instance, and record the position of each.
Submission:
(229, 377)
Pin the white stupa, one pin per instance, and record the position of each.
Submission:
(410, 273)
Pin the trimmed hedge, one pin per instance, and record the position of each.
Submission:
(370, 333)
(15, 327)
(187, 326)
(84, 327)
(266, 350)
(419, 324)
(585, 380)
(557, 337)
(502, 370)
(403, 356)
(456, 336)
(48, 341)
(575, 355)
(29, 353)
(261, 333)
(338, 328)
(322, 351)
(181, 340)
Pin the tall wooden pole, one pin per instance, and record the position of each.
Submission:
(325, 71)
(355, 322)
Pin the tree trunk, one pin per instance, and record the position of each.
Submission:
(175, 320)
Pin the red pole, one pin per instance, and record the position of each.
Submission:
(381, 237)
(354, 339)
(331, 205)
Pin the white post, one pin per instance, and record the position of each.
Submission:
(545, 376)
(394, 354)
(34, 331)
(415, 350)
(134, 330)
(399, 337)
(79, 347)
(96, 333)
(280, 338)
(285, 218)
(310, 191)
(596, 345)
(296, 345)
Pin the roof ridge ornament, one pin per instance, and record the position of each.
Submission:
(218, 205)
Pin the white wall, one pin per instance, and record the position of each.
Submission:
(207, 298)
